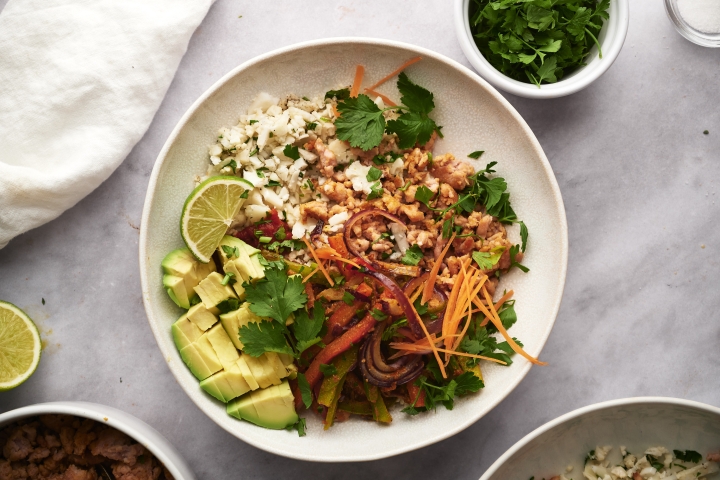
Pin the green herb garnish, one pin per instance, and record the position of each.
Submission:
(412, 256)
(291, 152)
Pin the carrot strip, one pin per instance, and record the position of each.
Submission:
(430, 285)
(451, 352)
(335, 111)
(459, 280)
(416, 294)
(400, 69)
(469, 308)
(328, 253)
(499, 304)
(309, 275)
(495, 319)
(432, 345)
(359, 72)
(319, 262)
(458, 307)
(385, 99)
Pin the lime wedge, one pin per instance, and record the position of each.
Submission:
(19, 346)
(209, 211)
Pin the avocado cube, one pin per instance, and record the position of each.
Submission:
(175, 287)
(232, 321)
(274, 406)
(184, 332)
(247, 374)
(212, 291)
(200, 363)
(258, 370)
(201, 316)
(243, 408)
(218, 386)
(236, 380)
(224, 348)
(232, 242)
(277, 365)
(270, 372)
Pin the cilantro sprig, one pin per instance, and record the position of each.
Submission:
(537, 41)
(362, 122)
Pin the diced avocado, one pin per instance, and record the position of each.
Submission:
(232, 321)
(212, 291)
(182, 274)
(270, 407)
(200, 358)
(218, 386)
(201, 316)
(246, 373)
(226, 384)
(258, 370)
(243, 408)
(175, 287)
(224, 348)
(184, 332)
(230, 267)
(232, 242)
(276, 364)
(270, 372)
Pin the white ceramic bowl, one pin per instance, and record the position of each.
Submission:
(126, 423)
(686, 29)
(611, 38)
(637, 423)
(474, 116)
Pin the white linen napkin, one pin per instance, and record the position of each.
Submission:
(80, 81)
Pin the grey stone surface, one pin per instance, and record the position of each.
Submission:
(639, 180)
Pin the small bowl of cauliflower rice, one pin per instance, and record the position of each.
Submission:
(644, 438)
(350, 249)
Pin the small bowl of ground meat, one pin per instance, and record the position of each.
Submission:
(84, 441)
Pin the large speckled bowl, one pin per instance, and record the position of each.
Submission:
(636, 423)
(474, 117)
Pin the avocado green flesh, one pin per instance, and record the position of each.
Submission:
(185, 332)
(232, 321)
(201, 316)
(212, 291)
(182, 273)
(226, 385)
(201, 363)
(270, 407)
(224, 348)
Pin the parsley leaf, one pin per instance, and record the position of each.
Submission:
(374, 174)
(328, 370)
(476, 154)
(467, 383)
(228, 305)
(300, 426)
(513, 263)
(376, 191)
(412, 128)
(311, 126)
(361, 122)
(688, 456)
(276, 296)
(412, 256)
(341, 94)
(307, 328)
(523, 235)
(305, 391)
(291, 152)
(392, 329)
(487, 260)
(423, 195)
(261, 337)
(414, 97)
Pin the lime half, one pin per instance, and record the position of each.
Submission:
(209, 211)
(19, 346)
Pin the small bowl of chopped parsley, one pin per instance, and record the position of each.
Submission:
(541, 48)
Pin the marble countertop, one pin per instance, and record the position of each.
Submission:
(638, 176)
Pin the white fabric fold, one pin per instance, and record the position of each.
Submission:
(80, 81)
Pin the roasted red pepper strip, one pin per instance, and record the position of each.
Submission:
(352, 337)
(310, 295)
(340, 318)
(417, 395)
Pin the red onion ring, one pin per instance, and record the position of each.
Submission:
(403, 300)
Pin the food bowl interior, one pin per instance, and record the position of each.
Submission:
(474, 117)
(635, 423)
(138, 430)
(611, 39)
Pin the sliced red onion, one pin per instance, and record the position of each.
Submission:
(387, 375)
(395, 290)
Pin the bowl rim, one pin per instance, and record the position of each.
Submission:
(537, 149)
(595, 407)
(118, 419)
(611, 50)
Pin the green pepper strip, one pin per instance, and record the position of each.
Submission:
(332, 386)
(380, 411)
(356, 407)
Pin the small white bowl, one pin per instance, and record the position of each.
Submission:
(117, 419)
(637, 423)
(611, 38)
(684, 28)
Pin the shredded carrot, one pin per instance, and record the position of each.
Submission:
(310, 275)
(417, 293)
(466, 304)
(432, 345)
(319, 262)
(335, 111)
(458, 308)
(459, 280)
(495, 319)
(400, 69)
(359, 72)
(498, 304)
(469, 309)
(410, 348)
(385, 99)
(430, 285)
(329, 253)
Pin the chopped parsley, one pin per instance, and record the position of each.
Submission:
(341, 94)
(328, 370)
(311, 126)
(363, 124)
(374, 174)
(487, 260)
(348, 298)
(688, 456)
(423, 195)
(274, 183)
(476, 154)
(378, 315)
(228, 305)
(376, 191)
(291, 152)
(412, 256)
(252, 122)
(305, 391)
